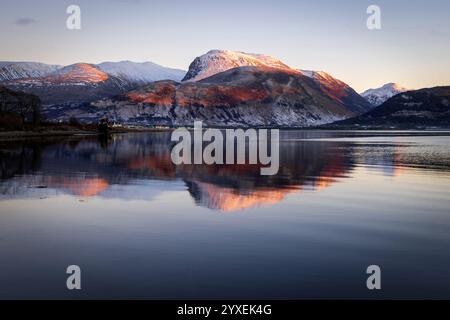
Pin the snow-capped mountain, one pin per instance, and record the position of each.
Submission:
(244, 96)
(131, 72)
(379, 95)
(80, 82)
(16, 70)
(216, 61)
(339, 91)
(141, 73)
(221, 88)
(83, 82)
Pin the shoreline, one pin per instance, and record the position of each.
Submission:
(21, 135)
(48, 133)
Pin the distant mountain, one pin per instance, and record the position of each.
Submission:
(424, 108)
(216, 61)
(80, 82)
(379, 95)
(245, 96)
(339, 91)
(77, 74)
(16, 70)
(141, 73)
(133, 72)
(83, 82)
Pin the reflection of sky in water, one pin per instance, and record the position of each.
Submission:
(140, 227)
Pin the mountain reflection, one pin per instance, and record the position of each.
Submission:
(88, 167)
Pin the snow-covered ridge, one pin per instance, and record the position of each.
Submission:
(322, 77)
(216, 61)
(144, 72)
(17, 70)
(378, 96)
(128, 71)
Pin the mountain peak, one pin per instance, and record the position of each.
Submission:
(216, 61)
(394, 85)
(379, 95)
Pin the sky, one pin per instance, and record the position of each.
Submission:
(412, 47)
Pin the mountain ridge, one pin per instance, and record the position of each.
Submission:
(138, 72)
(423, 108)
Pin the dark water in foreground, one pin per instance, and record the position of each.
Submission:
(140, 227)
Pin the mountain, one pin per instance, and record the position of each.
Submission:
(339, 91)
(221, 88)
(216, 61)
(379, 95)
(257, 96)
(422, 108)
(141, 73)
(16, 70)
(133, 72)
(82, 82)
(79, 82)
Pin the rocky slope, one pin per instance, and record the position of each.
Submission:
(339, 91)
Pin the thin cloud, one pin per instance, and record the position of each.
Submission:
(24, 21)
(127, 1)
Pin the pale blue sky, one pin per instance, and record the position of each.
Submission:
(412, 48)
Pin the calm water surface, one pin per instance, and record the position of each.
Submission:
(140, 227)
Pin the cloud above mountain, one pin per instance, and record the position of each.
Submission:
(25, 21)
